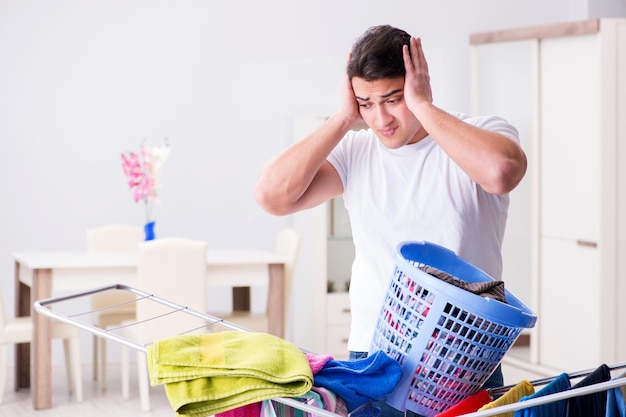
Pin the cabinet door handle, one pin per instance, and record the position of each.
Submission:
(345, 310)
(587, 243)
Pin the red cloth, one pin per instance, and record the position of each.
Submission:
(469, 405)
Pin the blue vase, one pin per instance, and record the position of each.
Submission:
(149, 230)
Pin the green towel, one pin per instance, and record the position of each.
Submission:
(211, 373)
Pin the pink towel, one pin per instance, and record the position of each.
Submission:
(317, 362)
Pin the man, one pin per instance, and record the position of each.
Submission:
(417, 173)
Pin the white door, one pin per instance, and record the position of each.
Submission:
(569, 288)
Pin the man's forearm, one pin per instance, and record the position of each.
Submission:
(492, 160)
(286, 178)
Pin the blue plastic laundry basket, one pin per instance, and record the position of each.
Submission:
(447, 339)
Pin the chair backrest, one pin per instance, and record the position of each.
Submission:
(114, 237)
(288, 245)
(173, 269)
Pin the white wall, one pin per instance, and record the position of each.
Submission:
(83, 80)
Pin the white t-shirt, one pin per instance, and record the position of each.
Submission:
(412, 193)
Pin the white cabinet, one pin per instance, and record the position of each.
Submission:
(564, 87)
(339, 256)
(326, 255)
(338, 324)
(571, 136)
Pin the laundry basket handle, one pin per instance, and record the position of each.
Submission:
(427, 252)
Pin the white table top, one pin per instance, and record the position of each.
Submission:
(85, 259)
(81, 270)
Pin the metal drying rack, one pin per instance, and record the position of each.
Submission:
(77, 315)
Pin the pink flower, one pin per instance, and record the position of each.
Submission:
(143, 173)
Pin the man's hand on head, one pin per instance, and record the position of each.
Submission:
(417, 88)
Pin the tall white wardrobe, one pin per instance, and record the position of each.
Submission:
(564, 87)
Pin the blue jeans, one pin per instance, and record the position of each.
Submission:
(495, 380)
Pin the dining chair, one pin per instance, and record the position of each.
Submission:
(107, 238)
(173, 269)
(287, 245)
(20, 330)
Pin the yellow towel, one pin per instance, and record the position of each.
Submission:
(512, 396)
(211, 373)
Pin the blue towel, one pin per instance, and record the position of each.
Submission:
(557, 408)
(615, 405)
(360, 381)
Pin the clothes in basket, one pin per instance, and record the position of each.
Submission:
(447, 339)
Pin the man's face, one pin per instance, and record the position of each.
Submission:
(382, 107)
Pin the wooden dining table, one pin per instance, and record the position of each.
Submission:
(40, 274)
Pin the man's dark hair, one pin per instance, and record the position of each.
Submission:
(377, 54)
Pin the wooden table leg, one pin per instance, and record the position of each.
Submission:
(22, 350)
(276, 300)
(241, 298)
(42, 350)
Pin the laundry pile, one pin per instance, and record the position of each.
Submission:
(231, 373)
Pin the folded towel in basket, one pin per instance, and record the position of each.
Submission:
(210, 373)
